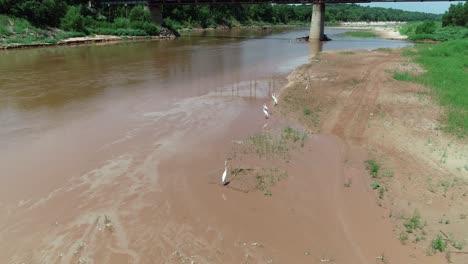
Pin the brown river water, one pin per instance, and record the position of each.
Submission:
(133, 135)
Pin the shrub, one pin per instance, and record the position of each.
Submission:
(73, 20)
(150, 28)
(139, 14)
(172, 24)
(119, 32)
(428, 27)
(121, 22)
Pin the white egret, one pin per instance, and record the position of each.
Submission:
(223, 178)
(307, 87)
(265, 111)
(265, 107)
(273, 95)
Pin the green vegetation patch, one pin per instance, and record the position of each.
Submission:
(373, 167)
(445, 64)
(402, 76)
(265, 145)
(430, 30)
(266, 178)
(413, 223)
(439, 244)
(346, 52)
(359, 34)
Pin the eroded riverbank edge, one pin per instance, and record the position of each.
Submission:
(166, 34)
(422, 175)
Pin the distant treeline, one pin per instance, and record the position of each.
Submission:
(248, 14)
(51, 13)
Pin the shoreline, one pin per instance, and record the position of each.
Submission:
(89, 40)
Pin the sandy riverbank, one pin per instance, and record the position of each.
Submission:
(387, 30)
(353, 96)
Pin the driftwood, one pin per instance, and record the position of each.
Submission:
(444, 234)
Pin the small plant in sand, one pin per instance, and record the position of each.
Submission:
(457, 244)
(307, 111)
(413, 223)
(403, 238)
(439, 244)
(373, 167)
(382, 192)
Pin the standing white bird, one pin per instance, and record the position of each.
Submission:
(265, 107)
(223, 178)
(265, 111)
(273, 95)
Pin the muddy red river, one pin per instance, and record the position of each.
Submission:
(114, 154)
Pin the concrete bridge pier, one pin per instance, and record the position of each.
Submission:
(317, 22)
(156, 13)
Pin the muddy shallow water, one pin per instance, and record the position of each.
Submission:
(111, 153)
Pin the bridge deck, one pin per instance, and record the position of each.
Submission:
(174, 2)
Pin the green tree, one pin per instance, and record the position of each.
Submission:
(457, 15)
(139, 14)
(73, 20)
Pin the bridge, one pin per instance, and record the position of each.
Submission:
(316, 23)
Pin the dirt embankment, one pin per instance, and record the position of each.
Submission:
(420, 172)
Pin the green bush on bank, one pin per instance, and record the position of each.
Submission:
(138, 24)
(73, 20)
(432, 31)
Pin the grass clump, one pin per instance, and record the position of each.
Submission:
(375, 185)
(265, 145)
(403, 238)
(307, 111)
(346, 52)
(373, 167)
(359, 34)
(290, 134)
(413, 223)
(439, 244)
(402, 76)
(456, 244)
